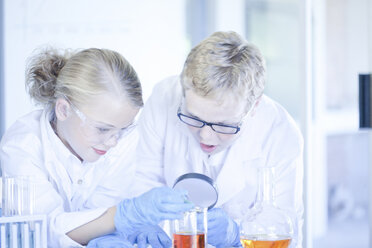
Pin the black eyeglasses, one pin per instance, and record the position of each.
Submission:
(219, 128)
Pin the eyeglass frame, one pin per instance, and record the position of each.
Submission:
(84, 119)
(205, 123)
(210, 124)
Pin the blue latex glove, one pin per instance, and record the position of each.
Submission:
(222, 230)
(150, 208)
(152, 235)
(113, 240)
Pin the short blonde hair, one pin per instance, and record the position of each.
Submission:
(80, 75)
(222, 64)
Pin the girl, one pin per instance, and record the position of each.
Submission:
(79, 148)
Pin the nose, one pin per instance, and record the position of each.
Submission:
(112, 141)
(206, 133)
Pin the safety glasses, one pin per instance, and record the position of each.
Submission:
(97, 131)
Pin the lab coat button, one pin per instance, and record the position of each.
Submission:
(80, 181)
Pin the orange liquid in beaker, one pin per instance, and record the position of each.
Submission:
(264, 242)
(184, 240)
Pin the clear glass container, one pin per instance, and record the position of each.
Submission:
(266, 225)
(191, 230)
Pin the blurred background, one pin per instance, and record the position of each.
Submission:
(315, 50)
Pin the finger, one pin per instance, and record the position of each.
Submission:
(164, 240)
(216, 222)
(174, 192)
(174, 195)
(211, 236)
(153, 240)
(175, 208)
(169, 216)
(132, 238)
(181, 192)
(141, 241)
(173, 198)
(212, 225)
(213, 213)
(216, 216)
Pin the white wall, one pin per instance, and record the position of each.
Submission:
(340, 54)
(150, 34)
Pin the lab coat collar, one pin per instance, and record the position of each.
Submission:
(232, 177)
(54, 141)
(56, 150)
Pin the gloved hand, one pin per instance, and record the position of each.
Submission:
(150, 208)
(114, 240)
(152, 235)
(222, 230)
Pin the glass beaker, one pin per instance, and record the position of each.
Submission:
(266, 225)
(191, 230)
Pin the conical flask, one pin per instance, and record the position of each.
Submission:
(266, 225)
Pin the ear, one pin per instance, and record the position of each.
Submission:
(62, 109)
(253, 112)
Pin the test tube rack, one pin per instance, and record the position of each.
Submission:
(29, 231)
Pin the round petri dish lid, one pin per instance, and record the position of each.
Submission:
(201, 189)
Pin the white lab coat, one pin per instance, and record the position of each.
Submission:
(167, 150)
(71, 193)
